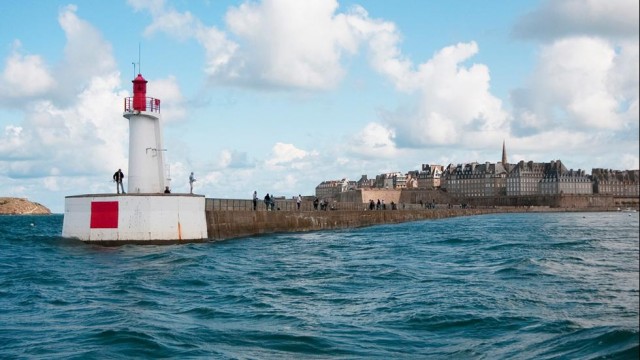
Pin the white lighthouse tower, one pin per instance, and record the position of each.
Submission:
(146, 160)
(145, 214)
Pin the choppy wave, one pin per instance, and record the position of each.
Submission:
(509, 286)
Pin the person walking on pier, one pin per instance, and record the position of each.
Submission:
(192, 179)
(118, 176)
(298, 201)
(255, 200)
(267, 201)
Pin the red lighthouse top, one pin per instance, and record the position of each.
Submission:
(140, 101)
(139, 93)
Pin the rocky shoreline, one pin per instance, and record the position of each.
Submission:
(21, 206)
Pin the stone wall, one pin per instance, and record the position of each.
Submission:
(427, 196)
(411, 198)
(362, 196)
(556, 201)
(280, 205)
(233, 224)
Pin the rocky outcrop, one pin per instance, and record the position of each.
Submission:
(20, 206)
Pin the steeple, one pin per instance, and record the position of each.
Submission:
(504, 154)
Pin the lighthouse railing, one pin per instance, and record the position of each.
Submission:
(150, 104)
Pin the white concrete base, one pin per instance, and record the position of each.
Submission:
(135, 218)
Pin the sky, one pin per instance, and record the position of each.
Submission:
(279, 95)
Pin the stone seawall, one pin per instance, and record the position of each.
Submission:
(223, 224)
(233, 218)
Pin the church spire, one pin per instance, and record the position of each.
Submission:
(504, 154)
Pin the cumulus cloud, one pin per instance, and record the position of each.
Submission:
(173, 103)
(292, 43)
(220, 52)
(373, 141)
(451, 102)
(24, 76)
(582, 97)
(73, 126)
(382, 39)
(286, 154)
(86, 54)
(562, 18)
(81, 139)
(577, 84)
(275, 43)
(585, 83)
(454, 102)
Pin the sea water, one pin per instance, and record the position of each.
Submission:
(501, 286)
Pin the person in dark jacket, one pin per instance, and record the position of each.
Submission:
(267, 201)
(118, 176)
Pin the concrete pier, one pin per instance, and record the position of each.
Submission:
(228, 219)
(232, 224)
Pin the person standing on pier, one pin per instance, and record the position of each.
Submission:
(267, 201)
(118, 176)
(298, 201)
(255, 200)
(192, 179)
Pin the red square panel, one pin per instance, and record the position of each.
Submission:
(104, 215)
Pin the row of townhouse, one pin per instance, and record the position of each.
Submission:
(395, 180)
(331, 188)
(497, 179)
(475, 180)
(569, 182)
(430, 176)
(616, 182)
(536, 178)
(523, 178)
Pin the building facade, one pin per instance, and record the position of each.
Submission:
(555, 182)
(430, 176)
(500, 179)
(331, 188)
(524, 177)
(475, 180)
(615, 182)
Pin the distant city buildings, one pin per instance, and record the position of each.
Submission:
(476, 180)
(616, 182)
(429, 177)
(331, 188)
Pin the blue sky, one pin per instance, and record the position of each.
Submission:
(279, 95)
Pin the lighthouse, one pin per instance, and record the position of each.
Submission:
(145, 214)
(146, 159)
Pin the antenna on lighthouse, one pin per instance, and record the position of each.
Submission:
(138, 63)
(139, 67)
